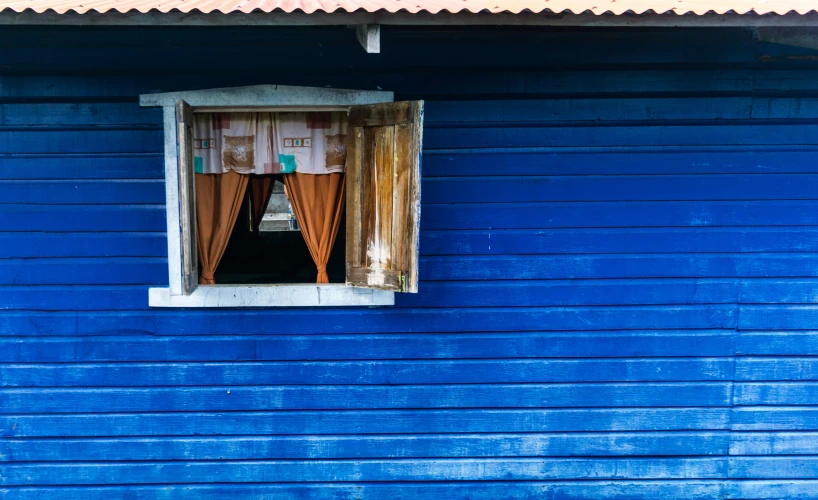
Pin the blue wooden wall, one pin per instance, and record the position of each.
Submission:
(618, 277)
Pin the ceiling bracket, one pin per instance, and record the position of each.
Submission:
(369, 36)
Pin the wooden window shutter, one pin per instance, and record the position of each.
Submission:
(383, 195)
(187, 197)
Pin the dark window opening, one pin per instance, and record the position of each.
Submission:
(277, 252)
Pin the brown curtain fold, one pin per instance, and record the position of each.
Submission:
(218, 200)
(261, 189)
(317, 201)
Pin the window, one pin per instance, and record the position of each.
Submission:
(382, 193)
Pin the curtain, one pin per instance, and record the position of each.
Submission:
(261, 189)
(218, 200)
(317, 201)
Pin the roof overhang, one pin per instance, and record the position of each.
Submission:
(359, 18)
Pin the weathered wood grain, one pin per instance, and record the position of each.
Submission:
(485, 469)
(354, 186)
(386, 239)
(118, 345)
(265, 398)
(464, 421)
(398, 320)
(381, 115)
(359, 372)
(187, 198)
(676, 443)
(624, 214)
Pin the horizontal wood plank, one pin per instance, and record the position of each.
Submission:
(74, 297)
(520, 189)
(777, 488)
(365, 372)
(422, 82)
(81, 167)
(630, 108)
(443, 50)
(708, 134)
(774, 418)
(469, 242)
(86, 218)
(773, 467)
(533, 267)
(146, 140)
(264, 398)
(566, 292)
(461, 421)
(459, 190)
(775, 343)
(777, 368)
(22, 245)
(774, 443)
(619, 240)
(486, 469)
(108, 271)
(476, 216)
(678, 443)
(153, 271)
(603, 109)
(90, 192)
(236, 348)
(379, 320)
(775, 393)
(621, 161)
(494, 490)
(46, 114)
(778, 317)
(619, 214)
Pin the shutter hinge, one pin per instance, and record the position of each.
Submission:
(402, 278)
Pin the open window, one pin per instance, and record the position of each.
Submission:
(367, 141)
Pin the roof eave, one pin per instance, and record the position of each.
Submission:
(258, 18)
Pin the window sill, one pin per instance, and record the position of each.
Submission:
(332, 295)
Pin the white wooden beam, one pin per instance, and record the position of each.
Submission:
(265, 96)
(172, 202)
(331, 295)
(369, 36)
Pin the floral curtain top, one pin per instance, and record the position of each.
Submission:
(269, 143)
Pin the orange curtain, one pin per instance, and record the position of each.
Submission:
(261, 188)
(218, 200)
(317, 201)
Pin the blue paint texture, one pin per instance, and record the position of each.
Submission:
(618, 276)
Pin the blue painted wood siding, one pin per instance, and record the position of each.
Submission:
(619, 265)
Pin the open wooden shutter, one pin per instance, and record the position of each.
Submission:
(187, 197)
(383, 195)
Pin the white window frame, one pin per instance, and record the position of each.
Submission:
(254, 98)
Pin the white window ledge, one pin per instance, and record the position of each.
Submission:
(331, 295)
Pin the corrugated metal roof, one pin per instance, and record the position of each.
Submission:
(415, 6)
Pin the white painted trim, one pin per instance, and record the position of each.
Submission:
(332, 295)
(154, 18)
(272, 109)
(369, 36)
(268, 96)
(172, 206)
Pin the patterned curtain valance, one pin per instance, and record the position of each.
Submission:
(269, 143)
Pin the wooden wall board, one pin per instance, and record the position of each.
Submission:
(617, 276)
